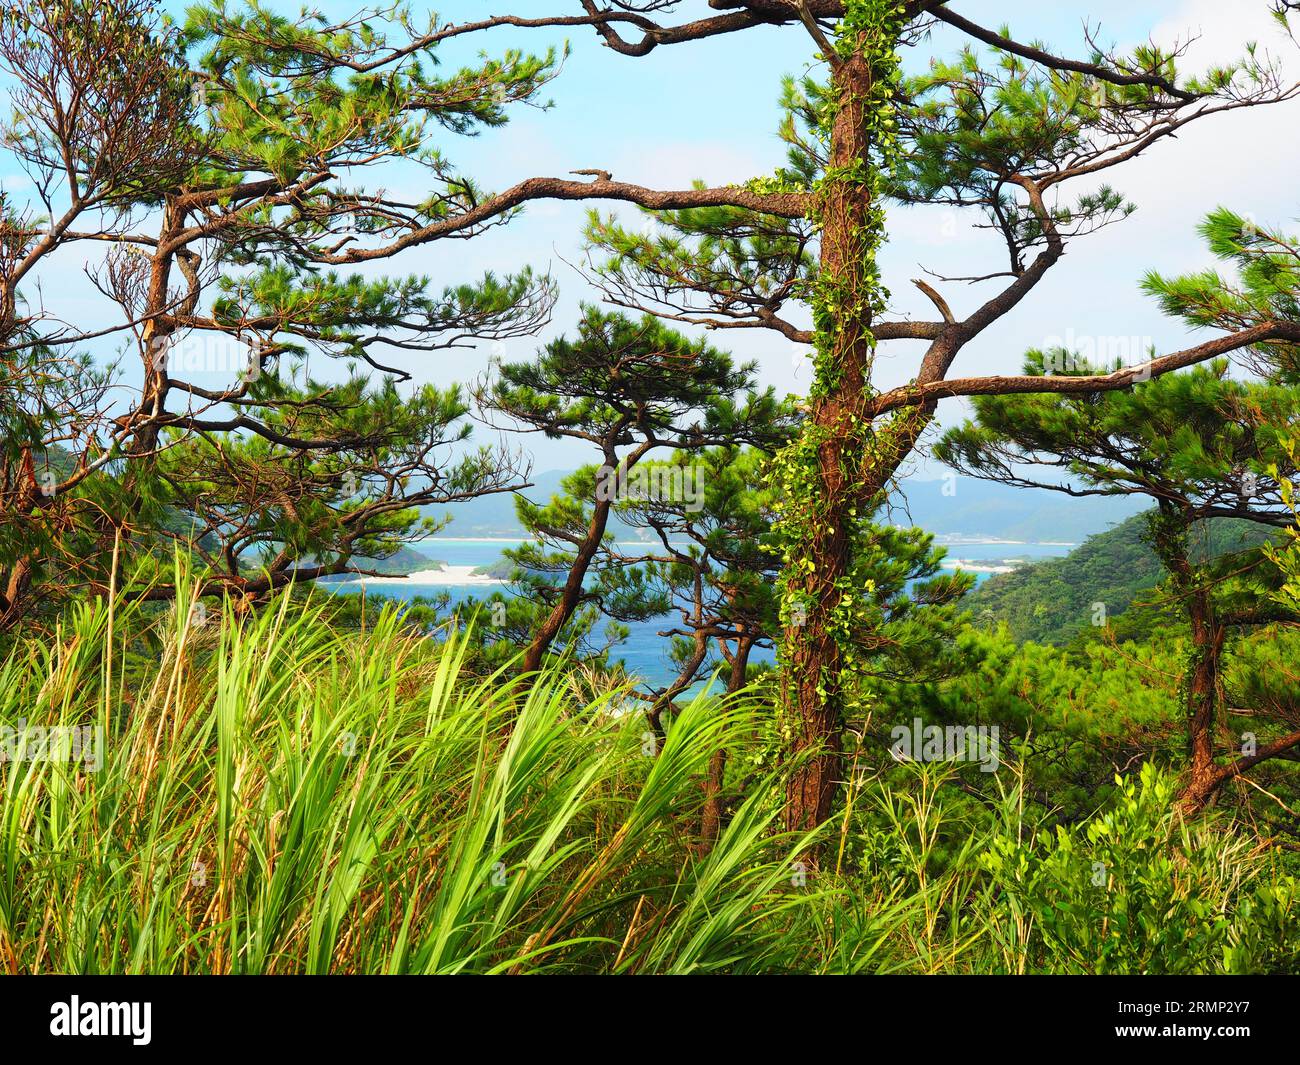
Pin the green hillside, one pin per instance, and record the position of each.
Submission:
(401, 563)
(1051, 601)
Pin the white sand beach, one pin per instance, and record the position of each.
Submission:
(455, 576)
(974, 567)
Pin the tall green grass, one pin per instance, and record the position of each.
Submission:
(279, 795)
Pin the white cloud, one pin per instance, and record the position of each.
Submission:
(1217, 30)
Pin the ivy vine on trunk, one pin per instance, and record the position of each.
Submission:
(832, 473)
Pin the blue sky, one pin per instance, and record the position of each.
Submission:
(708, 110)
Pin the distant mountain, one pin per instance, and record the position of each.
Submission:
(983, 510)
(961, 508)
(494, 515)
(1053, 600)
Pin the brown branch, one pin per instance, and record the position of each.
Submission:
(1055, 62)
(927, 392)
(786, 205)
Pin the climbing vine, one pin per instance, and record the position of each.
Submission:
(846, 295)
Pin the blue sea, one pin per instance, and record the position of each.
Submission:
(644, 651)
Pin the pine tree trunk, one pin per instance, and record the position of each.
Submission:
(836, 415)
(571, 594)
(16, 580)
(1203, 681)
(17, 577)
(1204, 777)
(712, 817)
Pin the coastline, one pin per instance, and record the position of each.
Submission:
(974, 567)
(465, 577)
(448, 576)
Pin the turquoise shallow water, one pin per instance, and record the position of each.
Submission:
(644, 652)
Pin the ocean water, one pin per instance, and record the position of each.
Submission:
(645, 651)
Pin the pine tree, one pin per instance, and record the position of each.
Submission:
(1003, 131)
(216, 176)
(628, 388)
(1202, 446)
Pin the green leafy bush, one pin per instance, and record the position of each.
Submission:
(1135, 890)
